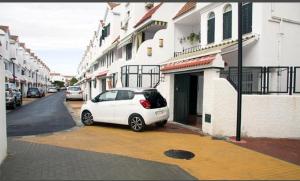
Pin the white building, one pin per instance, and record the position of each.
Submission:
(22, 66)
(3, 140)
(196, 46)
(59, 77)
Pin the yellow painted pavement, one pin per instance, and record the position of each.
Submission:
(215, 159)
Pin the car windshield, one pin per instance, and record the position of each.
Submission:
(74, 88)
(155, 98)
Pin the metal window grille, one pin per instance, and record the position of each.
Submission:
(296, 80)
(140, 75)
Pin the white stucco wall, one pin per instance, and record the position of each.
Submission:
(3, 137)
(276, 116)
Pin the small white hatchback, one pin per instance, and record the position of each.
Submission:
(136, 107)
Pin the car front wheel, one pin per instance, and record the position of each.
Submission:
(87, 118)
(136, 123)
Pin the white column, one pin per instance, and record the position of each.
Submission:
(208, 98)
(3, 136)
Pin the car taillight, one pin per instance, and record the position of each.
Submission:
(67, 92)
(80, 92)
(145, 103)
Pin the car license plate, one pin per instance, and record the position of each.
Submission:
(159, 112)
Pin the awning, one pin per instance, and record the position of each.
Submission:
(152, 23)
(125, 41)
(112, 46)
(102, 74)
(183, 64)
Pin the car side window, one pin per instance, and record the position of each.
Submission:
(125, 95)
(108, 96)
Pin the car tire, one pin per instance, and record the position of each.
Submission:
(161, 124)
(14, 105)
(67, 100)
(87, 118)
(20, 102)
(136, 123)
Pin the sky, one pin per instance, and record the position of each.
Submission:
(57, 33)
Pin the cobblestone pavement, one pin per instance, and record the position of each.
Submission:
(32, 161)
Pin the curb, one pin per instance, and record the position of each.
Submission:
(75, 117)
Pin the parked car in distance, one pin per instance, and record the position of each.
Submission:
(136, 107)
(74, 93)
(63, 88)
(13, 96)
(35, 92)
(52, 90)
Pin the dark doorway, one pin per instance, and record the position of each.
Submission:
(193, 95)
(103, 83)
(90, 90)
(186, 99)
(181, 98)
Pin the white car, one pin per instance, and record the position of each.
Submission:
(74, 93)
(135, 107)
(52, 90)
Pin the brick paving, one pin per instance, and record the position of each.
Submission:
(31, 161)
(284, 149)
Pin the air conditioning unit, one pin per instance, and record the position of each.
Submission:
(149, 5)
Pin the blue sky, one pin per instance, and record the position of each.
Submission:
(58, 33)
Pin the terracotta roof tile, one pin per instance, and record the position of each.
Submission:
(4, 28)
(14, 37)
(205, 60)
(112, 5)
(148, 15)
(191, 4)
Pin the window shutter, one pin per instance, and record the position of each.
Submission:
(211, 30)
(227, 25)
(247, 18)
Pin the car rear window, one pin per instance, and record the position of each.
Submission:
(155, 98)
(74, 88)
(33, 89)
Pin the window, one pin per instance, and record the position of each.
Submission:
(114, 79)
(227, 22)
(128, 51)
(247, 18)
(108, 96)
(125, 95)
(108, 30)
(6, 66)
(211, 28)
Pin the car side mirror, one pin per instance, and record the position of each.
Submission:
(95, 100)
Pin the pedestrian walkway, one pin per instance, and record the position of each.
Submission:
(32, 161)
(214, 159)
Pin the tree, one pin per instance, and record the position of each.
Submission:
(73, 81)
(59, 83)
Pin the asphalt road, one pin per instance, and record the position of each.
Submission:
(44, 115)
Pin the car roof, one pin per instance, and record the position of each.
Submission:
(135, 89)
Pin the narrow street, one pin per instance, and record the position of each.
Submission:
(44, 115)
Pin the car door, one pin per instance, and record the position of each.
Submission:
(124, 106)
(103, 108)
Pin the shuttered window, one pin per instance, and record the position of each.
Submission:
(227, 22)
(211, 28)
(247, 18)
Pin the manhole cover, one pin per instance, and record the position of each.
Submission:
(180, 154)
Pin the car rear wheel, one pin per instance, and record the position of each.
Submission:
(87, 118)
(136, 123)
(161, 123)
(20, 102)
